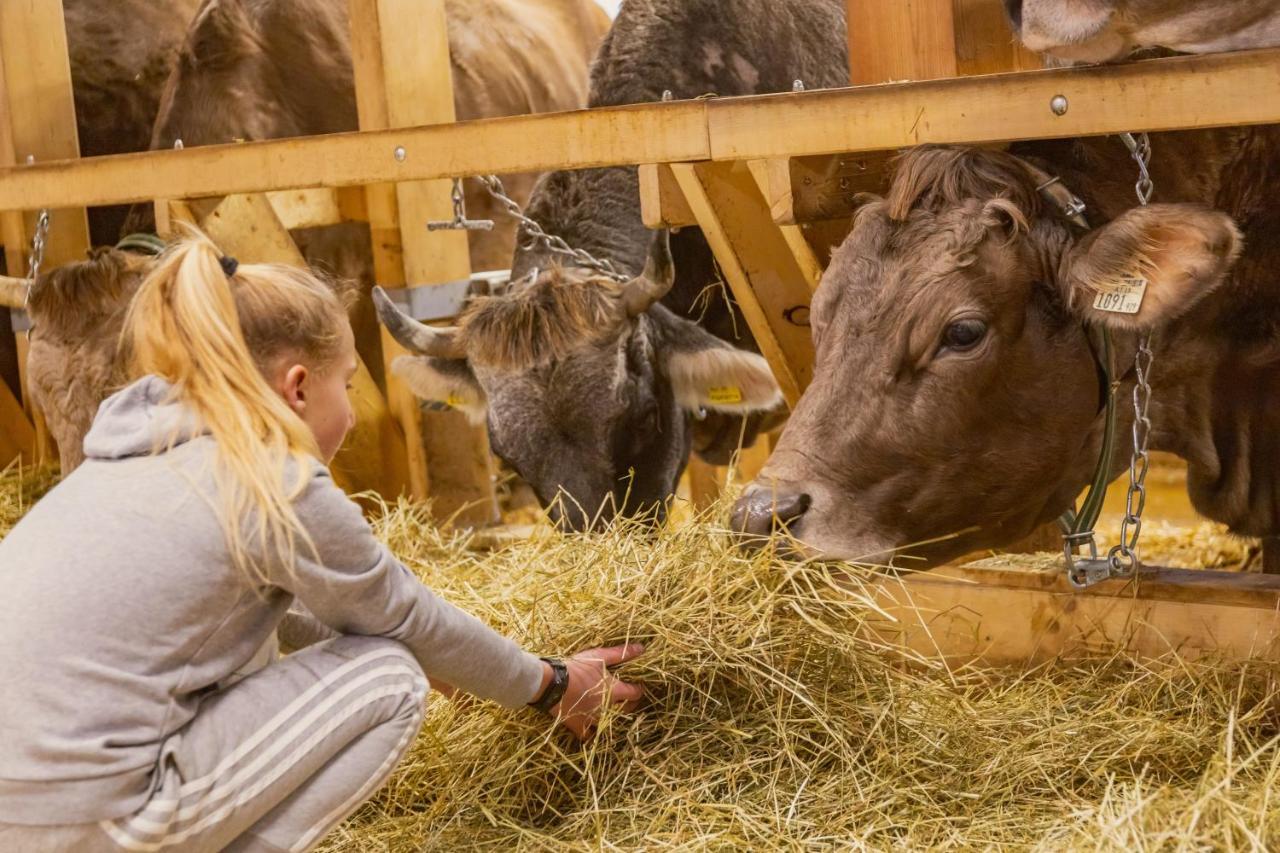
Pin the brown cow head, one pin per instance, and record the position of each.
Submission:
(1105, 30)
(587, 385)
(955, 391)
(77, 312)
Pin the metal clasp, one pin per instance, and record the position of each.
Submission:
(460, 221)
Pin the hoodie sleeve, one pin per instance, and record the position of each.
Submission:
(355, 585)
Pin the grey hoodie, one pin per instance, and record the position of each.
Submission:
(120, 607)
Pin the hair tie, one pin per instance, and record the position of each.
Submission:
(229, 265)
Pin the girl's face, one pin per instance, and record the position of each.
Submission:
(319, 396)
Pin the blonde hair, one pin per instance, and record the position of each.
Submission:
(214, 337)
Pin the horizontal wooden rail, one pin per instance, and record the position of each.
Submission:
(13, 291)
(1162, 94)
(1004, 612)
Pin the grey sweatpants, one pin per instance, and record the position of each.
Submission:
(272, 762)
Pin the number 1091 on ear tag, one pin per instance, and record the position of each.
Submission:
(1123, 296)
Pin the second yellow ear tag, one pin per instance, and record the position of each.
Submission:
(724, 395)
(455, 401)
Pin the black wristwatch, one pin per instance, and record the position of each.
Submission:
(555, 690)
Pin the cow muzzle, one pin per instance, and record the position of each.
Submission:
(764, 511)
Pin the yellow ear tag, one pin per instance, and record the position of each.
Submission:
(1123, 296)
(454, 401)
(724, 395)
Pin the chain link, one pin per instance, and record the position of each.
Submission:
(1124, 557)
(551, 242)
(36, 258)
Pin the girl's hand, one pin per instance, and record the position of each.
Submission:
(592, 688)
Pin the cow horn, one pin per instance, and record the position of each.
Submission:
(653, 283)
(441, 342)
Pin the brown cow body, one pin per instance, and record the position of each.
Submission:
(266, 69)
(121, 53)
(1104, 30)
(911, 431)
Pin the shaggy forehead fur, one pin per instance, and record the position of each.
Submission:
(562, 311)
(73, 299)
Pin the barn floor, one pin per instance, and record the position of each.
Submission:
(774, 723)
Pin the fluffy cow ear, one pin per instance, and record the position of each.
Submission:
(444, 381)
(1150, 265)
(707, 373)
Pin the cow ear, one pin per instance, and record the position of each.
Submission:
(447, 382)
(707, 373)
(1150, 265)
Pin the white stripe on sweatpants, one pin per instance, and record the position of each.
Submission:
(279, 741)
(120, 834)
(339, 814)
(285, 713)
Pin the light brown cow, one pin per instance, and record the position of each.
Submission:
(279, 68)
(956, 392)
(77, 312)
(1105, 30)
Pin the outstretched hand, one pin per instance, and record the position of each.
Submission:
(592, 688)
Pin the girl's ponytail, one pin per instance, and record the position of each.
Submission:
(213, 336)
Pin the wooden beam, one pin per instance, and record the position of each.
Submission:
(900, 40)
(1004, 612)
(766, 278)
(37, 119)
(1160, 94)
(318, 206)
(247, 227)
(13, 291)
(984, 43)
(662, 203)
(404, 78)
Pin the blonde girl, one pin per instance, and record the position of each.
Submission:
(140, 703)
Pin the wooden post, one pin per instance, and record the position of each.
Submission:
(39, 120)
(400, 50)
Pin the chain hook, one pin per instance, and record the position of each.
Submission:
(460, 222)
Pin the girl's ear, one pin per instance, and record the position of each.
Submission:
(291, 385)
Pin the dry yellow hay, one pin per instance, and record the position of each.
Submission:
(774, 725)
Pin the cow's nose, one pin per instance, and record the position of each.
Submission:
(763, 511)
(1014, 10)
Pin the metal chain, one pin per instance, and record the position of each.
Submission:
(460, 222)
(551, 242)
(1124, 557)
(38, 240)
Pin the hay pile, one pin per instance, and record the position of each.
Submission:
(772, 725)
(20, 487)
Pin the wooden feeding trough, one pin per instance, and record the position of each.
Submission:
(770, 180)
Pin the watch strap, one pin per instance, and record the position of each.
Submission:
(555, 690)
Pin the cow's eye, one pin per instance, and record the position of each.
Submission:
(964, 335)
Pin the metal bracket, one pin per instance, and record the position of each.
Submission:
(430, 302)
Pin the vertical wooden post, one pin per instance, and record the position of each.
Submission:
(400, 50)
(927, 39)
(39, 120)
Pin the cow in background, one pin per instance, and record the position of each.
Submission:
(626, 443)
(569, 357)
(1107, 30)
